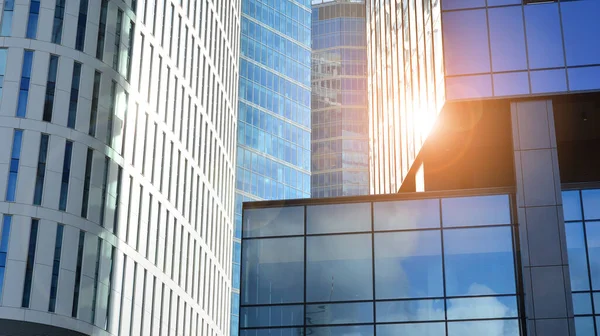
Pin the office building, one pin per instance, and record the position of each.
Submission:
(273, 126)
(117, 166)
(340, 133)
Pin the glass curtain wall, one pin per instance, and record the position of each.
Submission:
(412, 267)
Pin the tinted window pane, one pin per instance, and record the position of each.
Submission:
(340, 331)
(471, 211)
(591, 203)
(273, 332)
(584, 78)
(410, 310)
(507, 39)
(496, 327)
(582, 303)
(340, 313)
(510, 84)
(482, 308)
(339, 268)
(273, 270)
(596, 299)
(271, 316)
(459, 4)
(338, 218)
(545, 81)
(571, 205)
(406, 214)
(592, 230)
(580, 27)
(479, 261)
(421, 329)
(578, 268)
(463, 42)
(584, 326)
(273, 222)
(408, 265)
(544, 43)
(468, 87)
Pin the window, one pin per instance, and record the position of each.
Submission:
(110, 282)
(117, 52)
(104, 185)
(81, 23)
(117, 200)
(4, 237)
(24, 87)
(101, 30)
(3, 54)
(130, 48)
(50, 88)
(57, 25)
(96, 273)
(7, 18)
(55, 267)
(41, 170)
(64, 184)
(73, 99)
(111, 113)
(14, 166)
(86, 182)
(78, 274)
(94, 109)
(30, 263)
(32, 23)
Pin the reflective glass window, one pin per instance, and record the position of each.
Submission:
(273, 270)
(511, 84)
(493, 327)
(463, 43)
(571, 205)
(410, 310)
(464, 87)
(544, 44)
(408, 265)
(482, 307)
(471, 211)
(339, 313)
(581, 28)
(584, 78)
(582, 303)
(338, 218)
(411, 214)
(273, 222)
(461, 4)
(584, 326)
(591, 203)
(338, 268)
(578, 265)
(340, 331)
(272, 332)
(592, 231)
(275, 316)
(429, 329)
(479, 261)
(546, 81)
(507, 38)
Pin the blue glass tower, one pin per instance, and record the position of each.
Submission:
(273, 149)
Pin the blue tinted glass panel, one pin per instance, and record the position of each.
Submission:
(494, 327)
(465, 87)
(410, 310)
(511, 84)
(340, 331)
(273, 222)
(507, 38)
(591, 203)
(596, 300)
(584, 326)
(273, 332)
(406, 214)
(482, 308)
(429, 329)
(582, 303)
(479, 261)
(463, 43)
(273, 316)
(581, 28)
(471, 211)
(460, 4)
(544, 42)
(586, 78)
(571, 205)
(503, 2)
(547, 81)
(235, 274)
(339, 313)
(408, 265)
(338, 218)
(273, 271)
(592, 230)
(338, 268)
(578, 268)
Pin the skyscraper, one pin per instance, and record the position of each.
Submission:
(340, 134)
(117, 166)
(273, 148)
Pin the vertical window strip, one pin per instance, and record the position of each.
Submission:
(94, 109)
(30, 263)
(130, 48)
(32, 23)
(3, 54)
(81, 23)
(149, 82)
(50, 88)
(14, 165)
(24, 86)
(74, 98)
(64, 184)
(7, 18)
(55, 267)
(125, 108)
(111, 113)
(117, 200)
(5, 233)
(86, 182)
(57, 25)
(77, 285)
(96, 273)
(117, 52)
(101, 30)
(41, 170)
(107, 320)
(104, 184)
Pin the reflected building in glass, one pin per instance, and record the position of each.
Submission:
(340, 136)
(273, 126)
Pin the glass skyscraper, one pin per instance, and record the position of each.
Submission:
(273, 149)
(340, 134)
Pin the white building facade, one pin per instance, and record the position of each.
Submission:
(117, 133)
